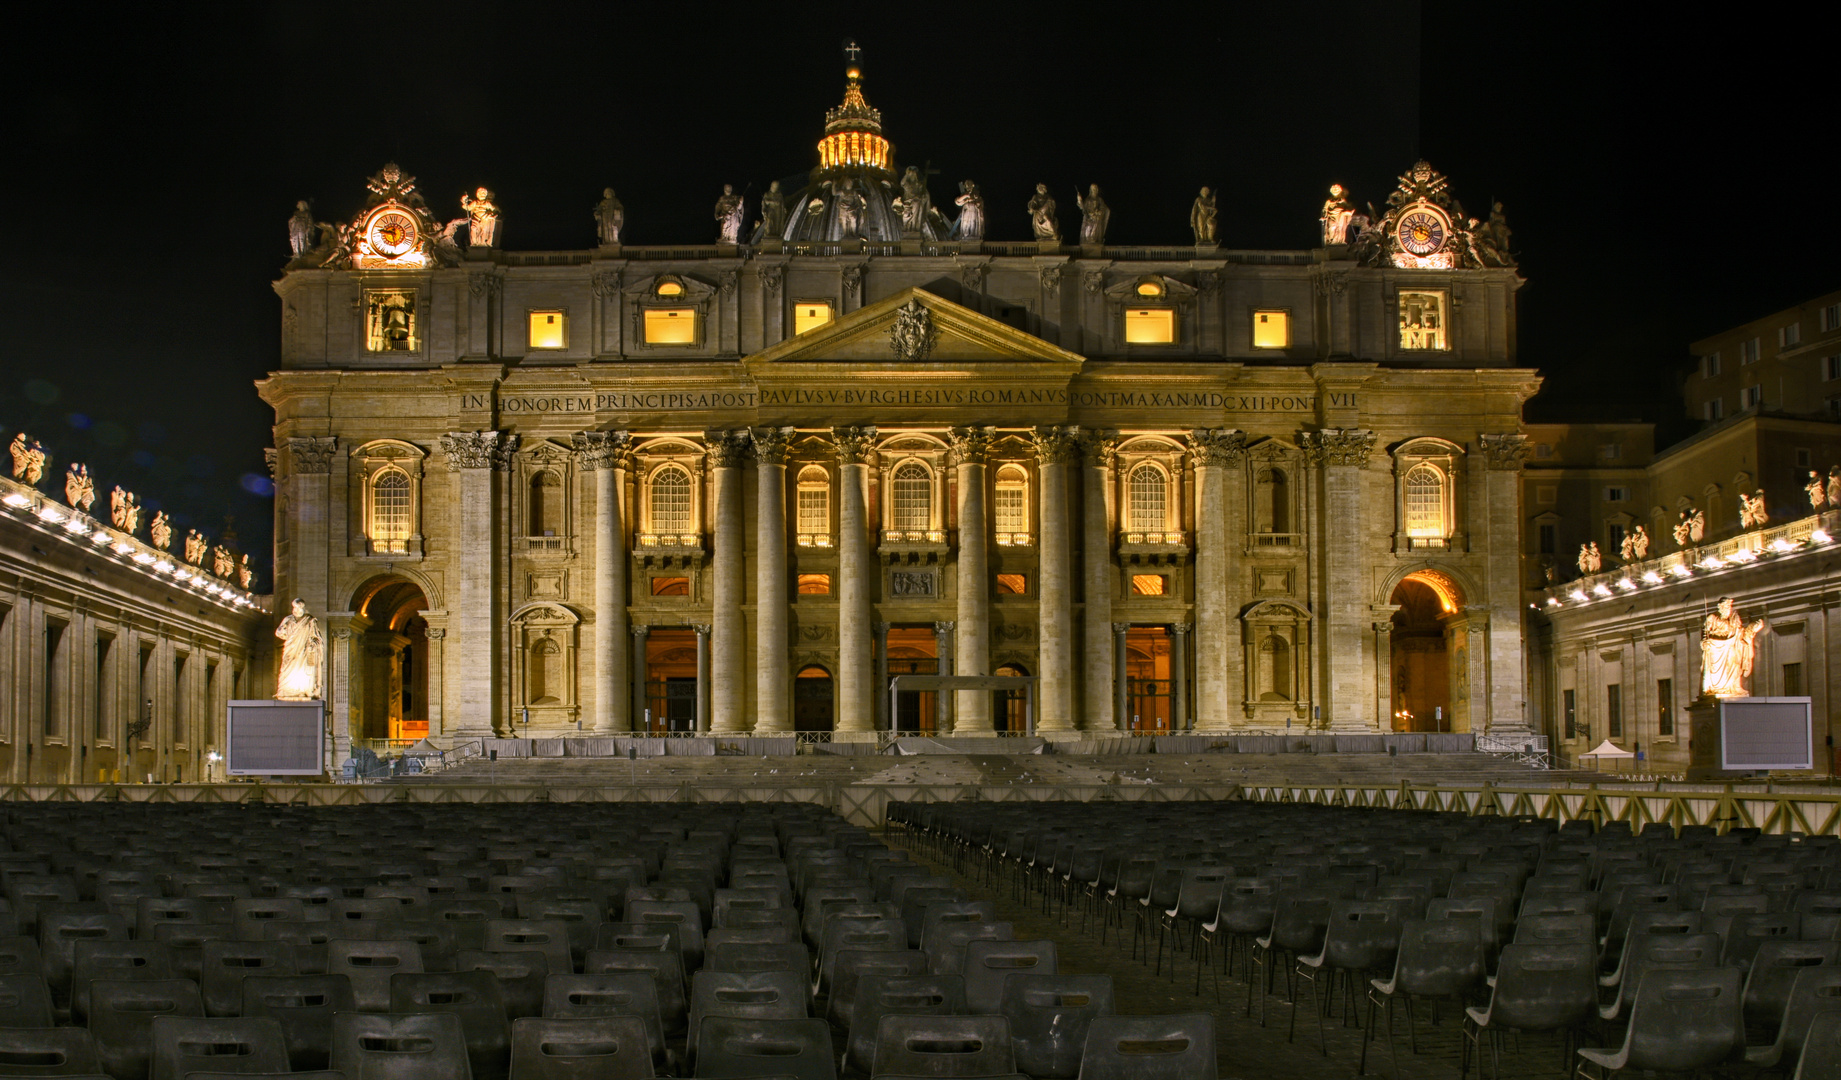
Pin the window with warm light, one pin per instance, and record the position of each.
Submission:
(547, 330)
(391, 512)
(671, 326)
(1424, 492)
(1147, 584)
(1012, 585)
(390, 320)
(815, 584)
(1150, 288)
(669, 510)
(1149, 499)
(670, 586)
(1271, 329)
(810, 315)
(1010, 506)
(1422, 320)
(814, 507)
(913, 498)
(1150, 326)
(669, 288)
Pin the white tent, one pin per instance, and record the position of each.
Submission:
(1607, 749)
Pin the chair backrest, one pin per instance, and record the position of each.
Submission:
(946, 952)
(93, 960)
(1821, 912)
(1545, 987)
(1439, 957)
(1246, 906)
(1049, 1016)
(736, 1047)
(1685, 1019)
(915, 902)
(369, 965)
(304, 1005)
(1198, 892)
(852, 966)
(1299, 921)
(881, 995)
(122, 1015)
(778, 933)
(590, 1048)
(1177, 1047)
(25, 1001)
(943, 1046)
(51, 1051)
(184, 1045)
(846, 934)
(1773, 972)
(821, 901)
(223, 965)
(665, 969)
(400, 1046)
(1747, 932)
(520, 977)
(21, 954)
(745, 958)
(577, 997)
(1814, 991)
(60, 927)
(766, 995)
(549, 937)
(475, 997)
(1361, 935)
(935, 918)
(988, 963)
(1821, 1056)
(1570, 929)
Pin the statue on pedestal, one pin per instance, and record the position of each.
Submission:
(1726, 651)
(28, 459)
(609, 218)
(773, 212)
(303, 655)
(970, 225)
(729, 216)
(300, 229)
(1590, 561)
(1635, 545)
(1095, 215)
(161, 531)
(482, 219)
(79, 489)
(1042, 215)
(1202, 217)
(1834, 486)
(850, 206)
(1751, 510)
(914, 202)
(1817, 489)
(1337, 213)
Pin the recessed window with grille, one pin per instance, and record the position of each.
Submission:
(55, 687)
(1425, 502)
(392, 516)
(1422, 321)
(1010, 506)
(1150, 499)
(814, 507)
(913, 498)
(1614, 711)
(546, 509)
(1665, 707)
(670, 501)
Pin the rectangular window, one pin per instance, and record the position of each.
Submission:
(1714, 409)
(1710, 365)
(105, 686)
(1793, 680)
(670, 586)
(1147, 584)
(814, 511)
(1610, 451)
(54, 680)
(1614, 537)
(1550, 543)
(1790, 336)
(1748, 351)
(1665, 707)
(1831, 367)
(1751, 397)
(671, 326)
(810, 315)
(547, 330)
(1271, 329)
(815, 584)
(390, 320)
(1803, 460)
(1010, 506)
(1614, 711)
(1422, 320)
(1012, 585)
(1150, 326)
(1543, 450)
(1569, 713)
(1617, 494)
(1831, 318)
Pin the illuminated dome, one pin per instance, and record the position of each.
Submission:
(853, 134)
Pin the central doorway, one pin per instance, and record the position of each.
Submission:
(1421, 662)
(1147, 678)
(671, 679)
(814, 699)
(913, 650)
(1012, 706)
(393, 663)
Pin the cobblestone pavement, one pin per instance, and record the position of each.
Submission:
(1246, 1050)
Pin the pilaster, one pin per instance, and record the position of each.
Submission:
(1340, 455)
(1215, 452)
(973, 645)
(478, 457)
(1503, 707)
(1055, 451)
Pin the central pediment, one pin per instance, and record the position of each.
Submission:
(886, 332)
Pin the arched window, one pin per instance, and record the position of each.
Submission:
(814, 507)
(1011, 506)
(546, 509)
(1424, 493)
(669, 502)
(913, 497)
(392, 515)
(1272, 502)
(1149, 504)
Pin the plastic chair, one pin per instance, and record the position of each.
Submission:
(61, 926)
(1538, 988)
(400, 1046)
(21, 955)
(1299, 920)
(1680, 1021)
(122, 1016)
(665, 969)
(520, 976)
(1646, 923)
(1821, 1059)
(224, 964)
(52, 1051)
(1812, 991)
(943, 1046)
(1245, 913)
(937, 917)
(549, 937)
(25, 1001)
(988, 963)
(592, 1048)
(1438, 958)
(854, 965)
(304, 1005)
(1361, 936)
(881, 933)
(1747, 932)
(474, 996)
(1176, 1047)
(369, 965)
(1049, 1017)
(1556, 929)
(946, 948)
(881, 995)
(916, 901)
(586, 997)
(685, 914)
(1654, 952)
(184, 1045)
(733, 1047)
(767, 995)
(745, 958)
(117, 960)
(1773, 972)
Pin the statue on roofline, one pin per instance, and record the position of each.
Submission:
(303, 654)
(1042, 215)
(1751, 510)
(79, 490)
(161, 531)
(482, 219)
(1590, 561)
(29, 459)
(609, 218)
(1095, 215)
(300, 229)
(729, 216)
(1817, 489)
(773, 212)
(850, 205)
(1337, 214)
(1202, 217)
(913, 203)
(970, 224)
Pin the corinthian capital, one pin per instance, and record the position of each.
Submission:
(726, 449)
(604, 449)
(1217, 446)
(478, 449)
(312, 455)
(1505, 452)
(1055, 445)
(1337, 446)
(770, 444)
(970, 444)
(854, 444)
(1098, 446)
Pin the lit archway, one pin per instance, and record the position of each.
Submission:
(390, 661)
(1420, 660)
(814, 699)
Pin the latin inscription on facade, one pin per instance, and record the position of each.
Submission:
(690, 400)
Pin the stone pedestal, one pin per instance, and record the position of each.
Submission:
(1704, 742)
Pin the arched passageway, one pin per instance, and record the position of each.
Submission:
(390, 662)
(1421, 663)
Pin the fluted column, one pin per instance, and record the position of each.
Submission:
(477, 457)
(1121, 704)
(1097, 454)
(772, 682)
(701, 722)
(640, 719)
(729, 590)
(1340, 454)
(606, 454)
(1179, 678)
(1055, 449)
(1214, 451)
(856, 572)
(972, 645)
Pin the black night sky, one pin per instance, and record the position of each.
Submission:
(1665, 178)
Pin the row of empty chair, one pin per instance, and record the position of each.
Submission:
(1659, 950)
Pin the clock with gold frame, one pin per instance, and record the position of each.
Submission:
(1423, 230)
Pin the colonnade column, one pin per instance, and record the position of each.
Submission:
(607, 454)
(1179, 677)
(856, 571)
(942, 702)
(477, 457)
(702, 720)
(729, 590)
(972, 647)
(772, 682)
(1121, 706)
(1341, 454)
(1103, 711)
(1214, 451)
(1055, 448)
(881, 689)
(640, 719)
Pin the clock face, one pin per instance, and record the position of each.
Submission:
(392, 233)
(1421, 232)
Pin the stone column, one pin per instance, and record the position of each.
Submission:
(702, 720)
(727, 699)
(942, 701)
(477, 458)
(1215, 452)
(881, 689)
(1502, 698)
(1121, 701)
(1344, 621)
(606, 455)
(639, 677)
(437, 639)
(1383, 674)
(1179, 677)
(1055, 449)
(1097, 453)
(973, 644)
(856, 572)
(772, 682)
(344, 651)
